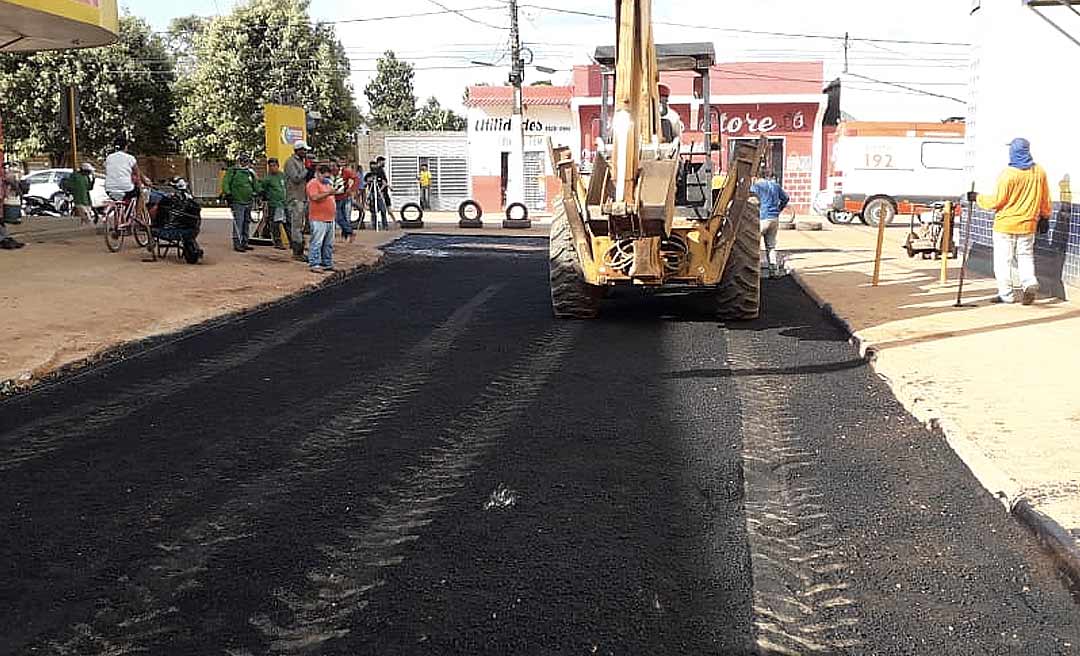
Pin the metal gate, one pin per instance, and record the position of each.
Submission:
(446, 156)
(535, 182)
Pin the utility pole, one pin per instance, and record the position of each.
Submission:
(846, 45)
(72, 122)
(515, 183)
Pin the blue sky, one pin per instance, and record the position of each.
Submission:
(443, 48)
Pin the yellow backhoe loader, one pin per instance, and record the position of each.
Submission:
(646, 217)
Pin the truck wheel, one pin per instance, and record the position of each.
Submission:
(571, 296)
(738, 298)
(879, 208)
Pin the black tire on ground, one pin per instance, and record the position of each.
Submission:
(470, 214)
(878, 207)
(738, 298)
(517, 212)
(571, 296)
(412, 215)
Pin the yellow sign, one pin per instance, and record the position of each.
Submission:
(57, 24)
(284, 127)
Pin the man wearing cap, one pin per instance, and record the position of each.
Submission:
(240, 186)
(1021, 201)
(78, 185)
(296, 179)
(671, 125)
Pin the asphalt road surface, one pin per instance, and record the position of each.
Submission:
(422, 461)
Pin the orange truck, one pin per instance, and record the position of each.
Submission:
(882, 169)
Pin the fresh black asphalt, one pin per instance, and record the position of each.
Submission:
(420, 460)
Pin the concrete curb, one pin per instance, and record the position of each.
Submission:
(1057, 541)
(1054, 539)
(13, 387)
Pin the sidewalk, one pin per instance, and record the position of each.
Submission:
(997, 379)
(66, 298)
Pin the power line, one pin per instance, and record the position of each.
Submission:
(913, 89)
(830, 37)
(461, 13)
(445, 10)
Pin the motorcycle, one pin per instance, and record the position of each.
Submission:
(38, 206)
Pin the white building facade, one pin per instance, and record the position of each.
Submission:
(1022, 56)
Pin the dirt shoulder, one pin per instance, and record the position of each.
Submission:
(66, 299)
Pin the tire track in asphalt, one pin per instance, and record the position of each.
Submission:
(145, 608)
(801, 601)
(43, 437)
(356, 562)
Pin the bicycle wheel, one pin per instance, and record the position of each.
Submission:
(114, 236)
(140, 229)
(144, 237)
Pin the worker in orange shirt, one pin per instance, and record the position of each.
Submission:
(1022, 199)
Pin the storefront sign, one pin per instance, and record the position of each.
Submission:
(755, 122)
(531, 126)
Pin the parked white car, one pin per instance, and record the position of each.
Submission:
(46, 184)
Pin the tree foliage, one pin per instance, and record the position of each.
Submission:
(432, 116)
(390, 94)
(123, 88)
(181, 38)
(265, 51)
(393, 101)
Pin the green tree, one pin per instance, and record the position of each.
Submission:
(390, 94)
(123, 88)
(181, 39)
(432, 116)
(265, 51)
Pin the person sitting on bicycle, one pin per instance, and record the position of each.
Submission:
(123, 179)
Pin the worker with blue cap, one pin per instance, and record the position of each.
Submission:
(1021, 202)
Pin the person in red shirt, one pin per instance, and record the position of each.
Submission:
(344, 181)
(321, 211)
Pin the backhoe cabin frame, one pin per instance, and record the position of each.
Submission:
(625, 226)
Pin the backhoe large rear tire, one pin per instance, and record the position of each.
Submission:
(571, 296)
(738, 298)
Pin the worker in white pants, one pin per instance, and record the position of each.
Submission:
(1021, 202)
(772, 200)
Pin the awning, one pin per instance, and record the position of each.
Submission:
(57, 24)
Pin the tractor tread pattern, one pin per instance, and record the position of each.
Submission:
(738, 298)
(571, 296)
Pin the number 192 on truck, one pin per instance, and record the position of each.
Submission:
(880, 170)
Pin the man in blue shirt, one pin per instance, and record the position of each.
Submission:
(772, 200)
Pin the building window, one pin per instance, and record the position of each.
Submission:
(943, 155)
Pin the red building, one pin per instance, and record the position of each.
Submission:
(780, 100)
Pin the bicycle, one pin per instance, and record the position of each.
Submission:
(121, 219)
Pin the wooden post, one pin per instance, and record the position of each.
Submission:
(877, 256)
(946, 241)
(71, 125)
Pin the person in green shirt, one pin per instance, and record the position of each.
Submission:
(272, 190)
(239, 188)
(78, 184)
